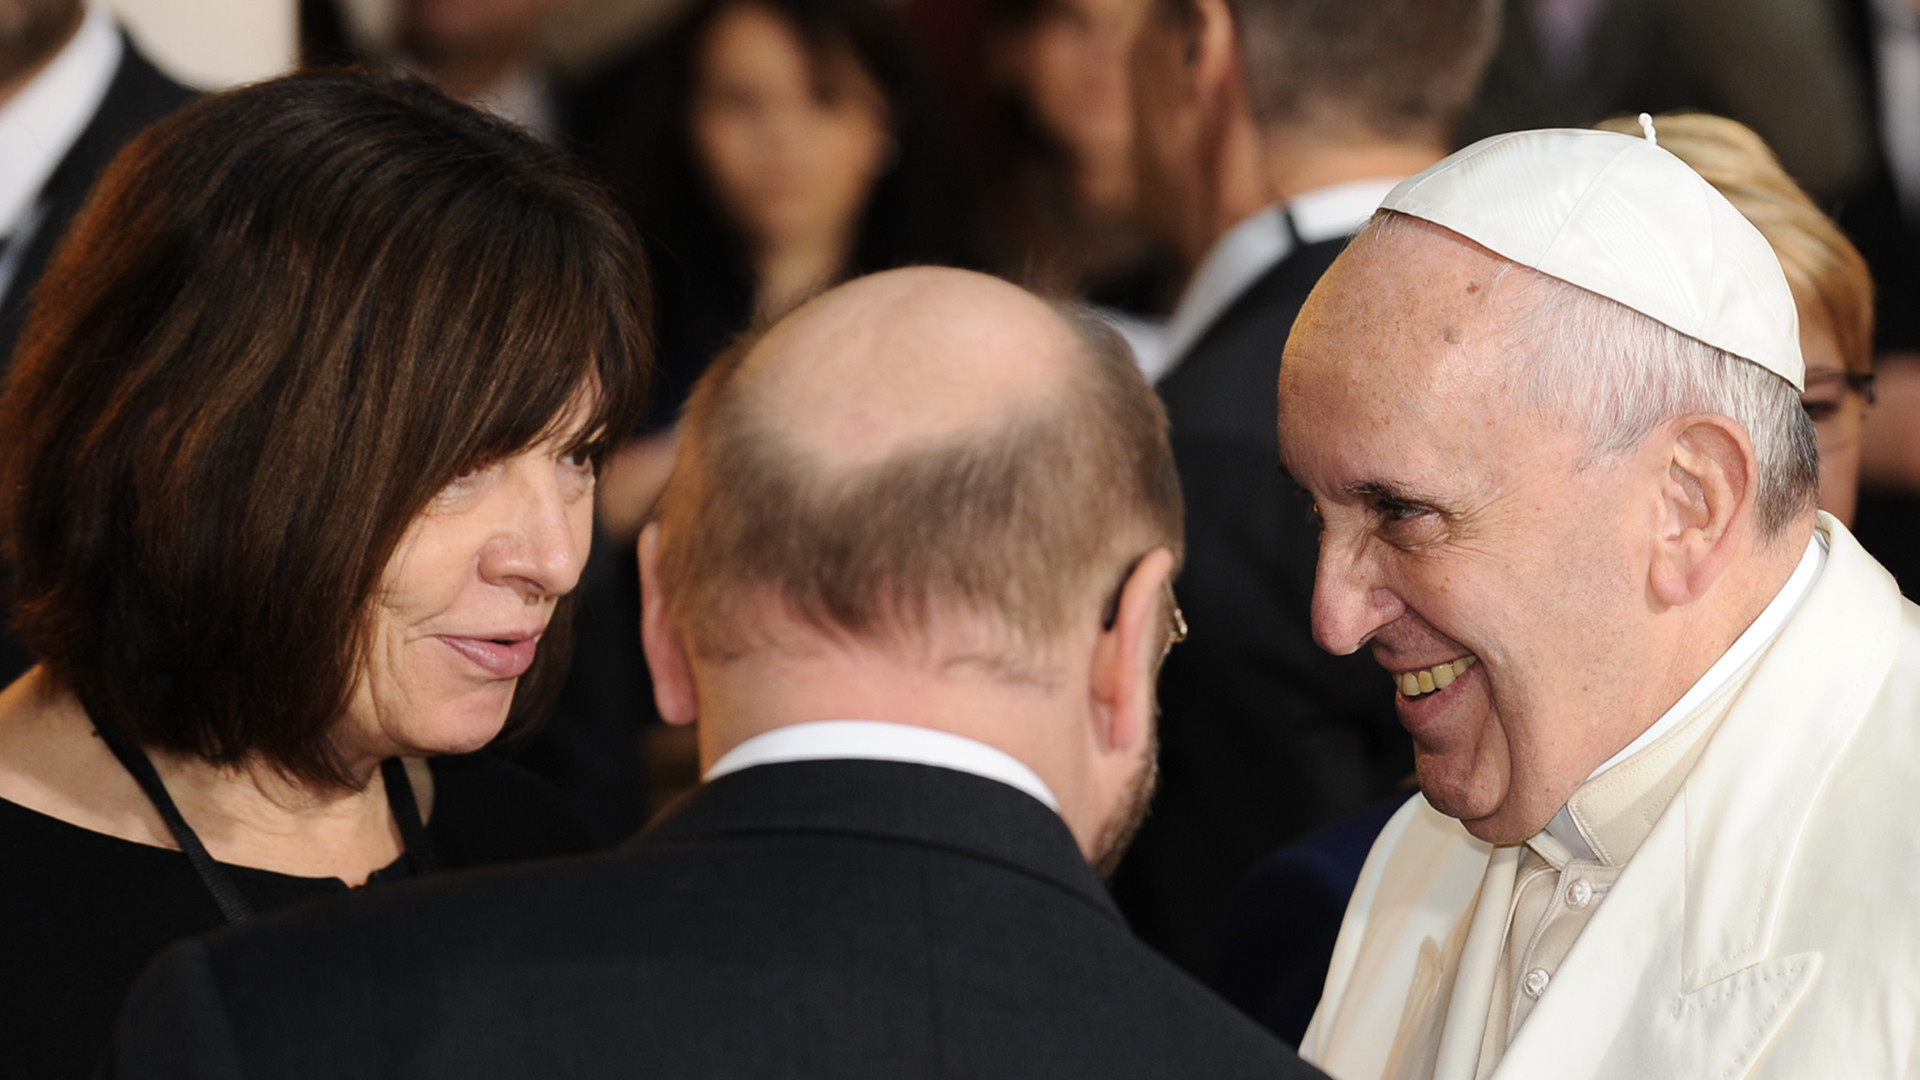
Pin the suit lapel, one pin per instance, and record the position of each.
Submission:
(1675, 975)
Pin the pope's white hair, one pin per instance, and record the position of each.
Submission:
(1579, 356)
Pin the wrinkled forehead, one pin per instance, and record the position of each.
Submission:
(1410, 304)
(1404, 343)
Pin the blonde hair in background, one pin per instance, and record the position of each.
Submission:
(1821, 264)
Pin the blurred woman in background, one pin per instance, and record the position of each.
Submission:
(1831, 285)
(1055, 184)
(783, 146)
(296, 470)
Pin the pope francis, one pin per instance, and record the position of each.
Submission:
(1666, 715)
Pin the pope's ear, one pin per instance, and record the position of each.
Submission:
(673, 687)
(1707, 490)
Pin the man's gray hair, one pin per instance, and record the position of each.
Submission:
(1584, 357)
(1623, 374)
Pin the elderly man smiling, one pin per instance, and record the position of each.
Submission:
(1546, 407)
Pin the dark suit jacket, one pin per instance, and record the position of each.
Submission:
(137, 96)
(1264, 736)
(817, 919)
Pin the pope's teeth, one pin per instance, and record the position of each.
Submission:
(1438, 677)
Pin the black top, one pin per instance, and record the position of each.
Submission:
(82, 912)
(1264, 736)
(827, 919)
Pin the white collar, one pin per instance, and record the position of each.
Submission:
(47, 115)
(1235, 261)
(1338, 209)
(872, 740)
(1758, 635)
(1248, 250)
(523, 96)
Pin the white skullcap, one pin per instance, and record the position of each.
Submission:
(1619, 216)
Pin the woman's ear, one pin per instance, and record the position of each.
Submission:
(673, 687)
(1707, 494)
(1126, 658)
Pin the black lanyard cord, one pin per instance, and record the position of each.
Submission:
(421, 857)
(214, 876)
(413, 832)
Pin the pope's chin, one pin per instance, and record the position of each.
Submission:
(1472, 783)
(1482, 799)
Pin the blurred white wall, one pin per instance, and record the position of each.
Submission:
(213, 43)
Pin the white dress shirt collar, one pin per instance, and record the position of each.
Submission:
(872, 740)
(1235, 261)
(1247, 251)
(1758, 635)
(47, 115)
(1338, 210)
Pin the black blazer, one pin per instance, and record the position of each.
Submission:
(137, 96)
(817, 919)
(1264, 736)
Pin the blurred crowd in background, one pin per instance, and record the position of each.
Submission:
(765, 149)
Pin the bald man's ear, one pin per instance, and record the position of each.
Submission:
(1126, 660)
(673, 688)
(1707, 493)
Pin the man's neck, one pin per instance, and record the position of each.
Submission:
(1030, 720)
(1694, 645)
(1298, 161)
(1239, 188)
(468, 76)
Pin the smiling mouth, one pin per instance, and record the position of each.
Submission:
(1418, 684)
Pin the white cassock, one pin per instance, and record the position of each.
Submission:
(1765, 924)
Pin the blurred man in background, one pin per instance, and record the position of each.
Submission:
(72, 90)
(486, 53)
(1267, 132)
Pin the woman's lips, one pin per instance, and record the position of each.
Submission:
(501, 659)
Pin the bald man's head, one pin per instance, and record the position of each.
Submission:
(915, 445)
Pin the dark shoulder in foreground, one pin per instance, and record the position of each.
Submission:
(487, 811)
(820, 920)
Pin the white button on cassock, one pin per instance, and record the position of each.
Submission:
(1536, 981)
(1580, 893)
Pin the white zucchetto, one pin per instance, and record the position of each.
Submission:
(1619, 216)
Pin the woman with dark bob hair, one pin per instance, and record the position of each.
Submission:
(297, 462)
